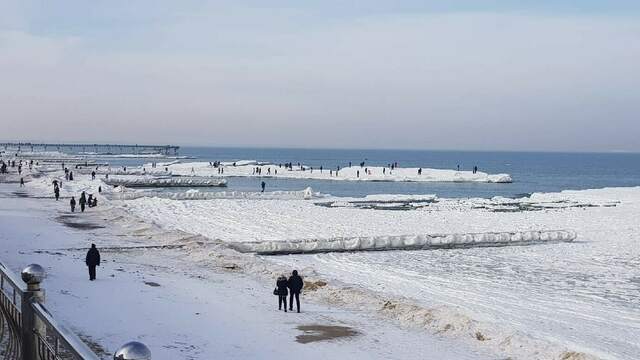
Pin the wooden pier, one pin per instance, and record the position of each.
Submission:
(103, 149)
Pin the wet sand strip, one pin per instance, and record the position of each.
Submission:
(315, 332)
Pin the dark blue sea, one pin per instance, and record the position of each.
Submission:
(531, 171)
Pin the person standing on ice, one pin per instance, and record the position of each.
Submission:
(295, 284)
(83, 201)
(73, 204)
(281, 291)
(93, 175)
(92, 260)
(263, 186)
(56, 192)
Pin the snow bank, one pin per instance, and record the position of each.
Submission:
(174, 181)
(120, 171)
(247, 168)
(405, 242)
(305, 194)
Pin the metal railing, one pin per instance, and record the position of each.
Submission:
(28, 331)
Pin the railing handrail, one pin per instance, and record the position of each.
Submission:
(17, 284)
(34, 328)
(73, 343)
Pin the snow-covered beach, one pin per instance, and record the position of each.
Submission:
(561, 300)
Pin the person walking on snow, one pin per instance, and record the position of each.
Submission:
(21, 182)
(92, 260)
(73, 204)
(295, 284)
(263, 186)
(281, 291)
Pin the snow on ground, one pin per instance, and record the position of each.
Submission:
(535, 302)
(354, 173)
(182, 307)
(525, 302)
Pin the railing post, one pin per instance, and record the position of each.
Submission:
(32, 325)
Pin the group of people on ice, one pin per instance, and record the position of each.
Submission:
(291, 287)
(84, 201)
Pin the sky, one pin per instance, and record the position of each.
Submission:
(464, 75)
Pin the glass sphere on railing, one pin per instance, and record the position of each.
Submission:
(33, 274)
(133, 351)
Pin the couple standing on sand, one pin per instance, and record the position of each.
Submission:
(294, 284)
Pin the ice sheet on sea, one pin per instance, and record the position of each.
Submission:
(399, 197)
(404, 242)
(354, 173)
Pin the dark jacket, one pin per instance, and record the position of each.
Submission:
(282, 286)
(93, 257)
(295, 283)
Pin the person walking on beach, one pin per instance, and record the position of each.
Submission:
(281, 291)
(92, 260)
(73, 204)
(263, 186)
(295, 284)
(83, 201)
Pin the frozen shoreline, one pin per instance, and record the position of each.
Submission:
(210, 310)
(279, 221)
(426, 292)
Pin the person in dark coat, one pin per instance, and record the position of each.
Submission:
(83, 201)
(295, 284)
(281, 289)
(73, 204)
(56, 192)
(92, 260)
(263, 185)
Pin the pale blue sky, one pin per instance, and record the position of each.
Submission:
(506, 75)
